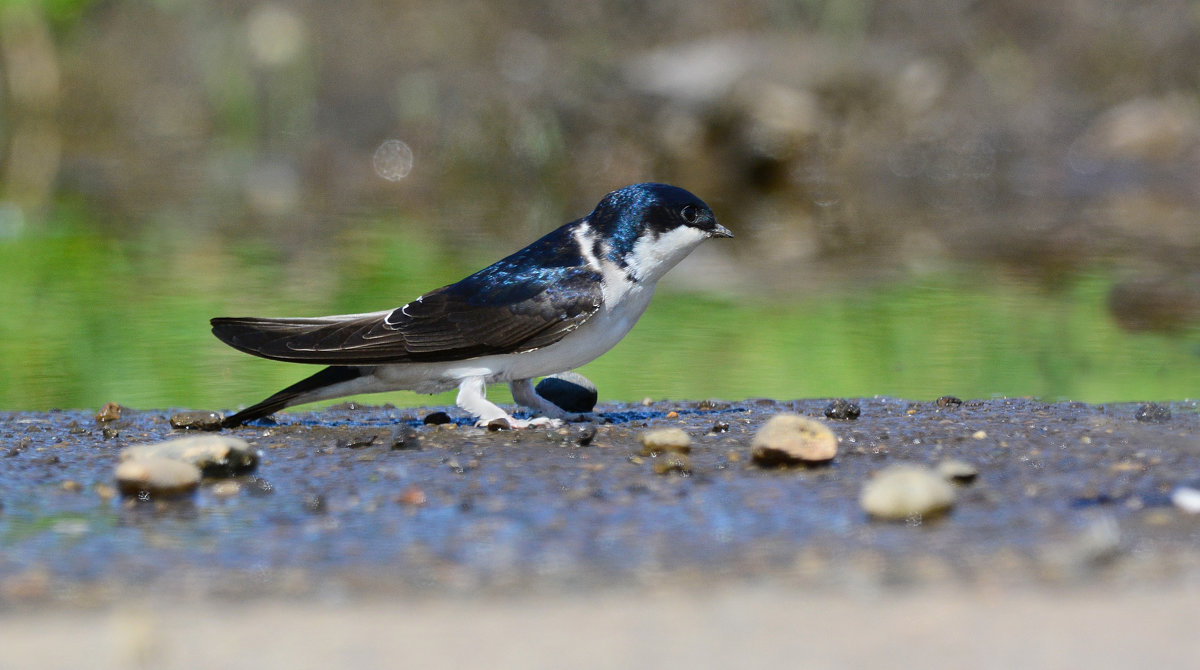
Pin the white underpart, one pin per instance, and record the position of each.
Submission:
(623, 303)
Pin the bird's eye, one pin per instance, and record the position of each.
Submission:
(689, 213)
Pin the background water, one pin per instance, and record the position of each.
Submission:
(927, 201)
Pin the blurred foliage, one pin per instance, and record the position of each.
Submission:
(61, 13)
(164, 161)
(90, 319)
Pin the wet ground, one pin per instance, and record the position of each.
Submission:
(367, 538)
(353, 501)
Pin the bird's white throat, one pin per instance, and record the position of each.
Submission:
(653, 256)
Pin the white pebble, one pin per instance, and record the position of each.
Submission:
(791, 438)
(207, 452)
(1186, 499)
(906, 491)
(157, 476)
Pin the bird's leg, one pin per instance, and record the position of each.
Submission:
(472, 398)
(524, 395)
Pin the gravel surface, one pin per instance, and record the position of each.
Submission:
(367, 507)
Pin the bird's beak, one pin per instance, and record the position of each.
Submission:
(721, 231)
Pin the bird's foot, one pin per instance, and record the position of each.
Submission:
(509, 422)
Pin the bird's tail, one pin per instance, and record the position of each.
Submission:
(305, 390)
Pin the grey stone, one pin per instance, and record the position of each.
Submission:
(196, 420)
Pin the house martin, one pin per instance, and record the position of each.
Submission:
(553, 306)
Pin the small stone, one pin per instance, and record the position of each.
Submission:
(979, 435)
(197, 420)
(226, 488)
(948, 401)
(673, 462)
(1187, 499)
(403, 437)
(257, 486)
(498, 424)
(109, 433)
(842, 410)
(216, 455)
(665, 440)
(720, 427)
(314, 503)
(357, 440)
(585, 434)
(111, 411)
(1152, 413)
(72, 486)
(906, 492)
(569, 391)
(104, 491)
(156, 476)
(791, 439)
(957, 471)
(436, 419)
(412, 497)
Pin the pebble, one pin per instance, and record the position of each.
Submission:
(665, 440)
(711, 405)
(791, 439)
(357, 440)
(111, 411)
(257, 486)
(673, 462)
(906, 492)
(1187, 499)
(1152, 413)
(569, 391)
(960, 472)
(403, 437)
(948, 401)
(216, 455)
(842, 410)
(585, 434)
(226, 489)
(196, 420)
(412, 497)
(157, 476)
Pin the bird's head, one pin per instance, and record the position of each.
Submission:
(648, 228)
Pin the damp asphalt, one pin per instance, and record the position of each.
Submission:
(358, 504)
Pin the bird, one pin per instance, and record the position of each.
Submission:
(553, 306)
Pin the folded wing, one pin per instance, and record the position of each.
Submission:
(478, 316)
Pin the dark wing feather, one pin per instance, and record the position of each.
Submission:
(480, 315)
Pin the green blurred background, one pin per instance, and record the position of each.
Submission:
(959, 198)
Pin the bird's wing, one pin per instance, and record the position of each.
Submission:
(487, 313)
